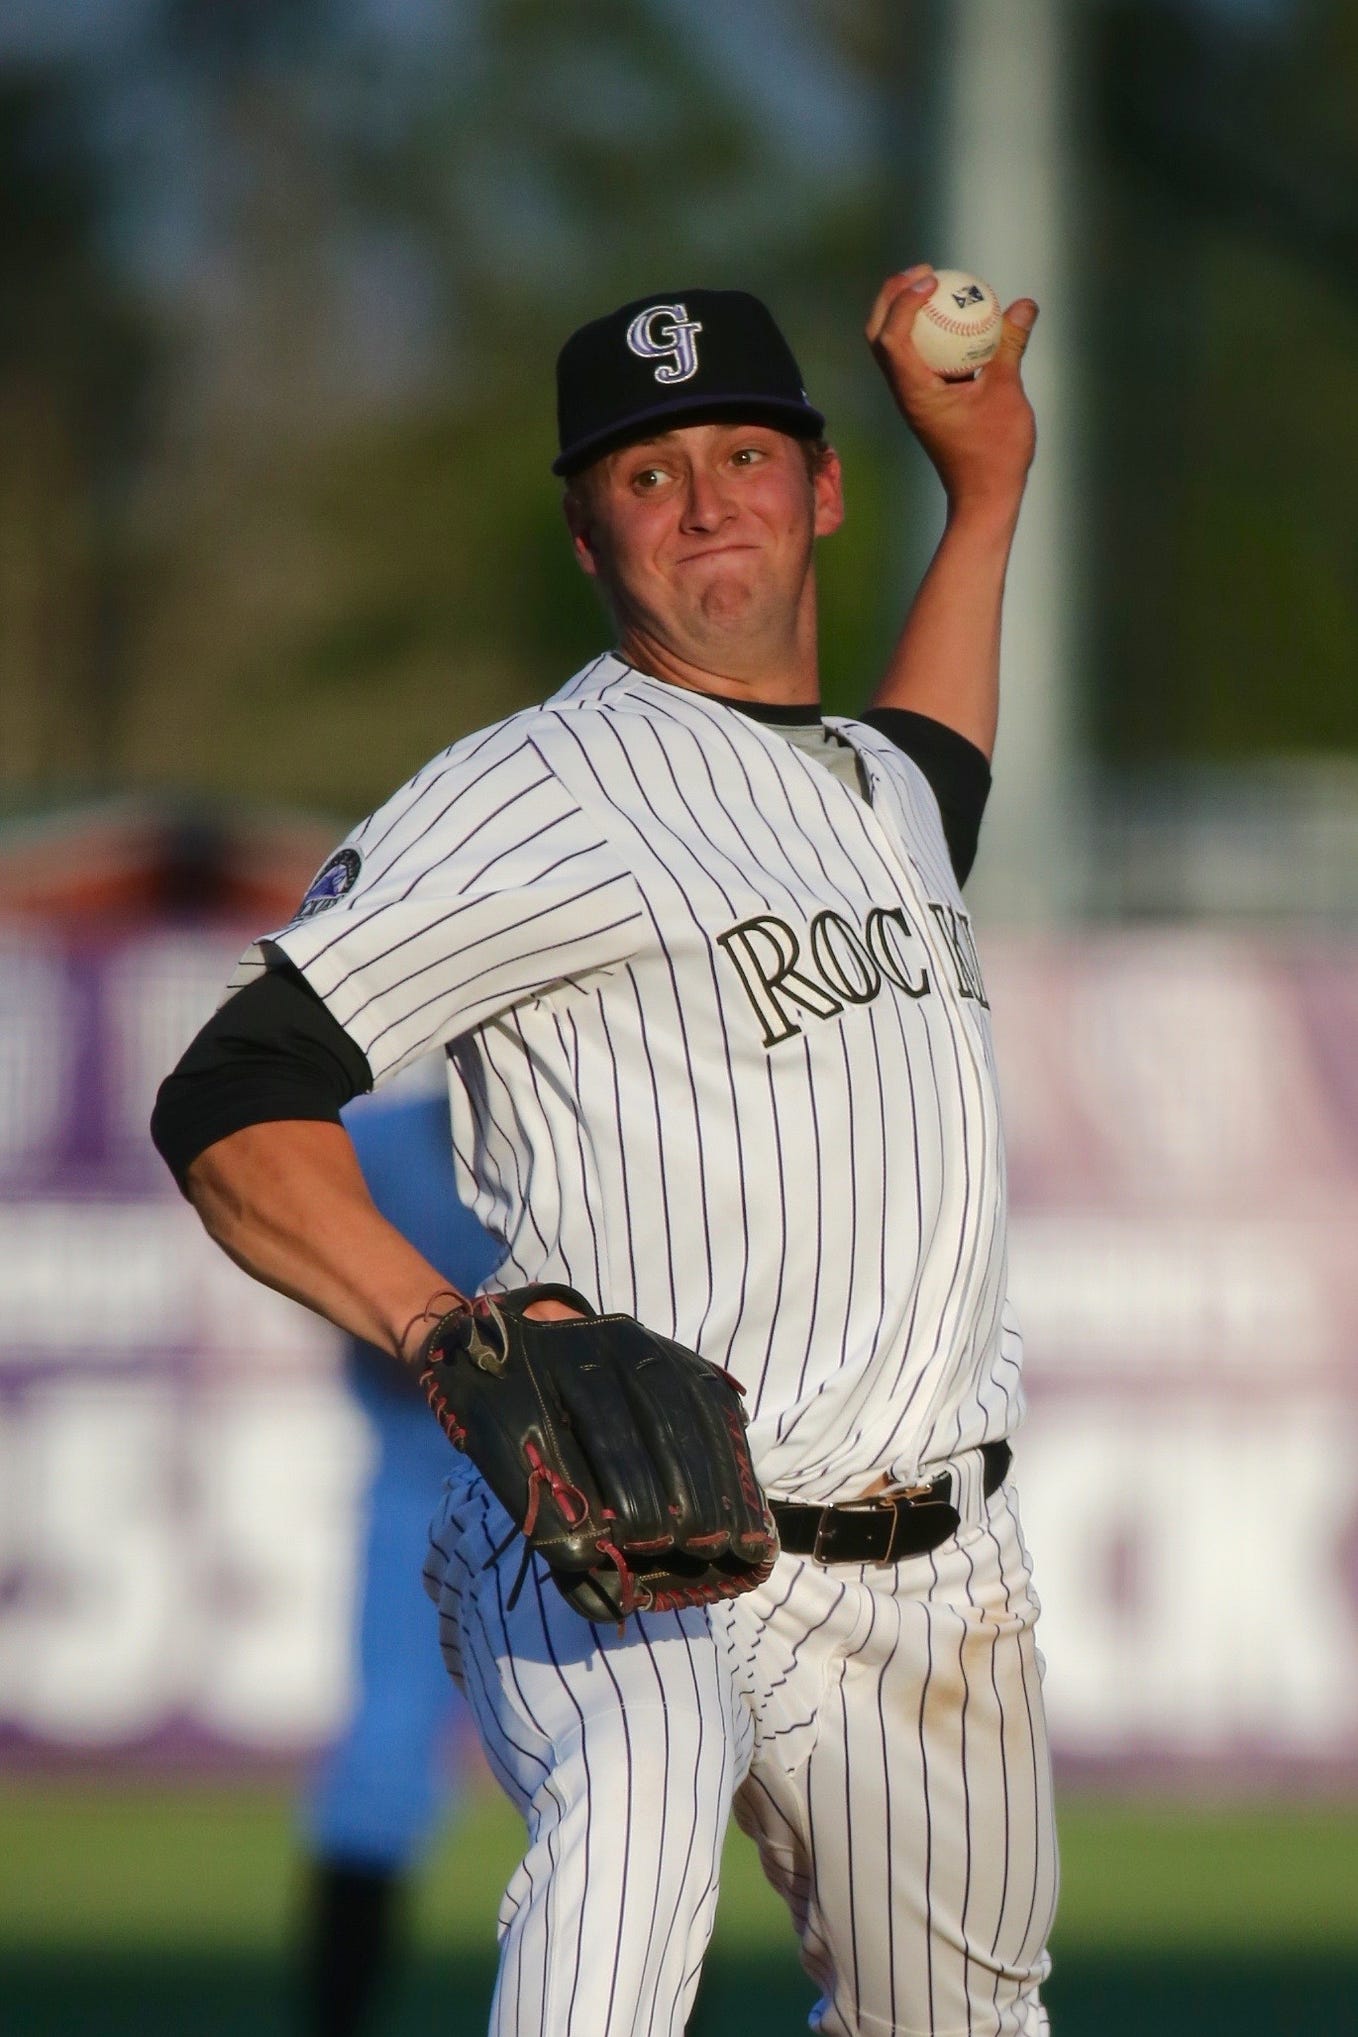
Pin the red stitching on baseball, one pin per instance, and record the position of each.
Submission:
(946, 324)
(953, 324)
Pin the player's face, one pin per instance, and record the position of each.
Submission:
(703, 537)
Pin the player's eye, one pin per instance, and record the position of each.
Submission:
(747, 456)
(648, 479)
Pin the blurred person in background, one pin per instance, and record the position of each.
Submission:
(377, 1794)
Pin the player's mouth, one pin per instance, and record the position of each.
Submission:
(712, 552)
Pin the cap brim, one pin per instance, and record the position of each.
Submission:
(800, 420)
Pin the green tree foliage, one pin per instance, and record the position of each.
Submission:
(281, 288)
(76, 361)
(1225, 241)
(347, 583)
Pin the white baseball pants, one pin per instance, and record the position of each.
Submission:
(879, 1733)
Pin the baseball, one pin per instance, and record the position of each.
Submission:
(958, 329)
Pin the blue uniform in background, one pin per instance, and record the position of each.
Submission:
(380, 1787)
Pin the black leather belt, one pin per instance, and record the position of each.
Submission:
(883, 1530)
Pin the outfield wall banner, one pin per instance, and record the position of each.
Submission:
(181, 1471)
(1181, 1114)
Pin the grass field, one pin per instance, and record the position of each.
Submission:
(150, 1911)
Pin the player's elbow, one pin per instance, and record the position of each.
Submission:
(271, 1053)
(209, 1100)
(208, 1183)
(187, 1134)
(232, 1180)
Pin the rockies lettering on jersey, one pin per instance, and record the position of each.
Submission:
(719, 1054)
(955, 928)
(850, 967)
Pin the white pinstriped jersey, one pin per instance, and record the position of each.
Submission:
(719, 1054)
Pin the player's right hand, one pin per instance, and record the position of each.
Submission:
(979, 435)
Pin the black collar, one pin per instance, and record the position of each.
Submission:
(807, 715)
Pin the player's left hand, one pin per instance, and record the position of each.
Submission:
(979, 434)
(621, 1455)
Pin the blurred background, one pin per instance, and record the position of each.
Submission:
(281, 284)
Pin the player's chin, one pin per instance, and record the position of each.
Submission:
(733, 594)
(728, 616)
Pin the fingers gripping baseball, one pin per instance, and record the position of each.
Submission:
(1015, 333)
(978, 429)
(890, 322)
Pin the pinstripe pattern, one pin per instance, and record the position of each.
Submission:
(877, 1732)
(720, 1056)
(915, 1842)
(623, 1755)
(548, 899)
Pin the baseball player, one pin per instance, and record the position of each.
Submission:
(374, 1798)
(719, 1059)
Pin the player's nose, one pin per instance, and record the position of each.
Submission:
(707, 502)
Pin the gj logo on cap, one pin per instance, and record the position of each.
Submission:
(635, 372)
(674, 342)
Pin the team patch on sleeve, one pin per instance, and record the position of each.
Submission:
(331, 882)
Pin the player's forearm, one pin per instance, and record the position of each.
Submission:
(287, 1201)
(946, 662)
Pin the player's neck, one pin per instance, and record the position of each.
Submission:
(786, 677)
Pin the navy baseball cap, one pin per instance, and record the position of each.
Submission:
(683, 356)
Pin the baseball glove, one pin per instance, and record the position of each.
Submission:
(621, 1456)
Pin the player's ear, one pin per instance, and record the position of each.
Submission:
(580, 524)
(828, 487)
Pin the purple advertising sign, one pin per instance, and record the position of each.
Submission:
(1182, 1122)
(178, 1467)
(1182, 1127)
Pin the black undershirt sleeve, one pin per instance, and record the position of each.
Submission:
(272, 1051)
(957, 771)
